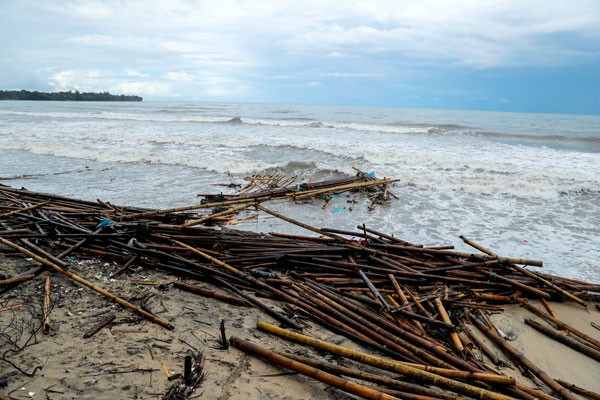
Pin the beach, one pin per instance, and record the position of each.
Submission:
(127, 360)
(516, 183)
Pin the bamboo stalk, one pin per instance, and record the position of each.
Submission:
(322, 376)
(446, 318)
(154, 213)
(404, 300)
(84, 282)
(547, 306)
(390, 365)
(301, 224)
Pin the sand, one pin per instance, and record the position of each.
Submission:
(127, 360)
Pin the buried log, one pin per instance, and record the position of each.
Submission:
(390, 365)
(304, 369)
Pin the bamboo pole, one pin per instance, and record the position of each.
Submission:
(84, 282)
(277, 292)
(154, 213)
(16, 279)
(446, 318)
(549, 284)
(462, 254)
(303, 225)
(390, 365)
(322, 376)
(365, 376)
(210, 293)
(216, 215)
(404, 300)
(20, 210)
(574, 388)
(411, 352)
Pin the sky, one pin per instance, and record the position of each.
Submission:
(504, 55)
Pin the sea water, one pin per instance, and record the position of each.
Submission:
(523, 185)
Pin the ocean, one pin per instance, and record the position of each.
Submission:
(523, 185)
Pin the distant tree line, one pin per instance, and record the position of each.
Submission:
(64, 96)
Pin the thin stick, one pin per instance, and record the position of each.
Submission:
(46, 328)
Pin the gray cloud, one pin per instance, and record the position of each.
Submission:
(219, 48)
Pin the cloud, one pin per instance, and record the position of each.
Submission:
(180, 76)
(134, 73)
(226, 48)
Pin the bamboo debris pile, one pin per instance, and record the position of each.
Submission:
(415, 309)
(263, 187)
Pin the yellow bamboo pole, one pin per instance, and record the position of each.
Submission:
(446, 318)
(390, 365)
(84, 282)
(312, 372)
